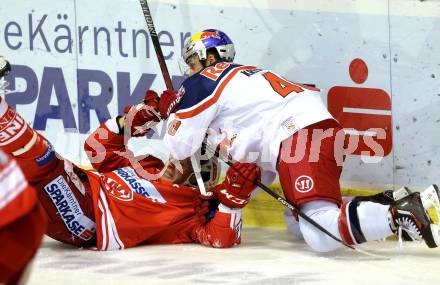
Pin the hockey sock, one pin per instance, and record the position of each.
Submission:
(364, 221)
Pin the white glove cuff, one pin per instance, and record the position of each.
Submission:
(225, 209)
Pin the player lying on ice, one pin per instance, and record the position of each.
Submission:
(114, 206)
(256, 115)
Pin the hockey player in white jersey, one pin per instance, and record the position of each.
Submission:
(252, 114)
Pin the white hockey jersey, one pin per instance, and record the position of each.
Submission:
(245, 111)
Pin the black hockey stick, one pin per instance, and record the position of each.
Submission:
(280, 199)
(288, 205)
(166, 76)
(156, 44)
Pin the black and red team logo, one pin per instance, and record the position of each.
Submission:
(304, 184)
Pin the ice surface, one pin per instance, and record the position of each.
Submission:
(266, 256)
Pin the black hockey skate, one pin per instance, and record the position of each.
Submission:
(387, 197)
(5, 67)
(410, 215)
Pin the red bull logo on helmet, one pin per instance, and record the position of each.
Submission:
(200, 36)
(206, 35)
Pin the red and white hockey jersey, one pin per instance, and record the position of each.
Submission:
(17, 198)
(113, 207)
(130, 210)
(22, 221)
(245, 111)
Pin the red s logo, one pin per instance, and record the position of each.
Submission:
(363, 112)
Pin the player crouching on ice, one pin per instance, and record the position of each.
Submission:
(257, 115)
(113, 207)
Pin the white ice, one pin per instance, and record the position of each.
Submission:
(266, 256)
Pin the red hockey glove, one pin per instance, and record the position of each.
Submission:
(168, 103)
(140, 118)
(201, 209)
(235, 191)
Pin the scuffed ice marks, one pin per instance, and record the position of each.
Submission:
(248, 278)
(297, 278)
(179, 264)
(163, 269)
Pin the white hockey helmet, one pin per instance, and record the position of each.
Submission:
(205, 40)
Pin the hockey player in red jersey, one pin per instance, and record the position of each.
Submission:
(22, 220)
(123, 202)
(256, 115)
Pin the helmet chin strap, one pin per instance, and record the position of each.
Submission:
(197, 169)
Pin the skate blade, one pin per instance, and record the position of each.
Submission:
(434, 240)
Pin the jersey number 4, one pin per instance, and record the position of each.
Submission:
(283, 86)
